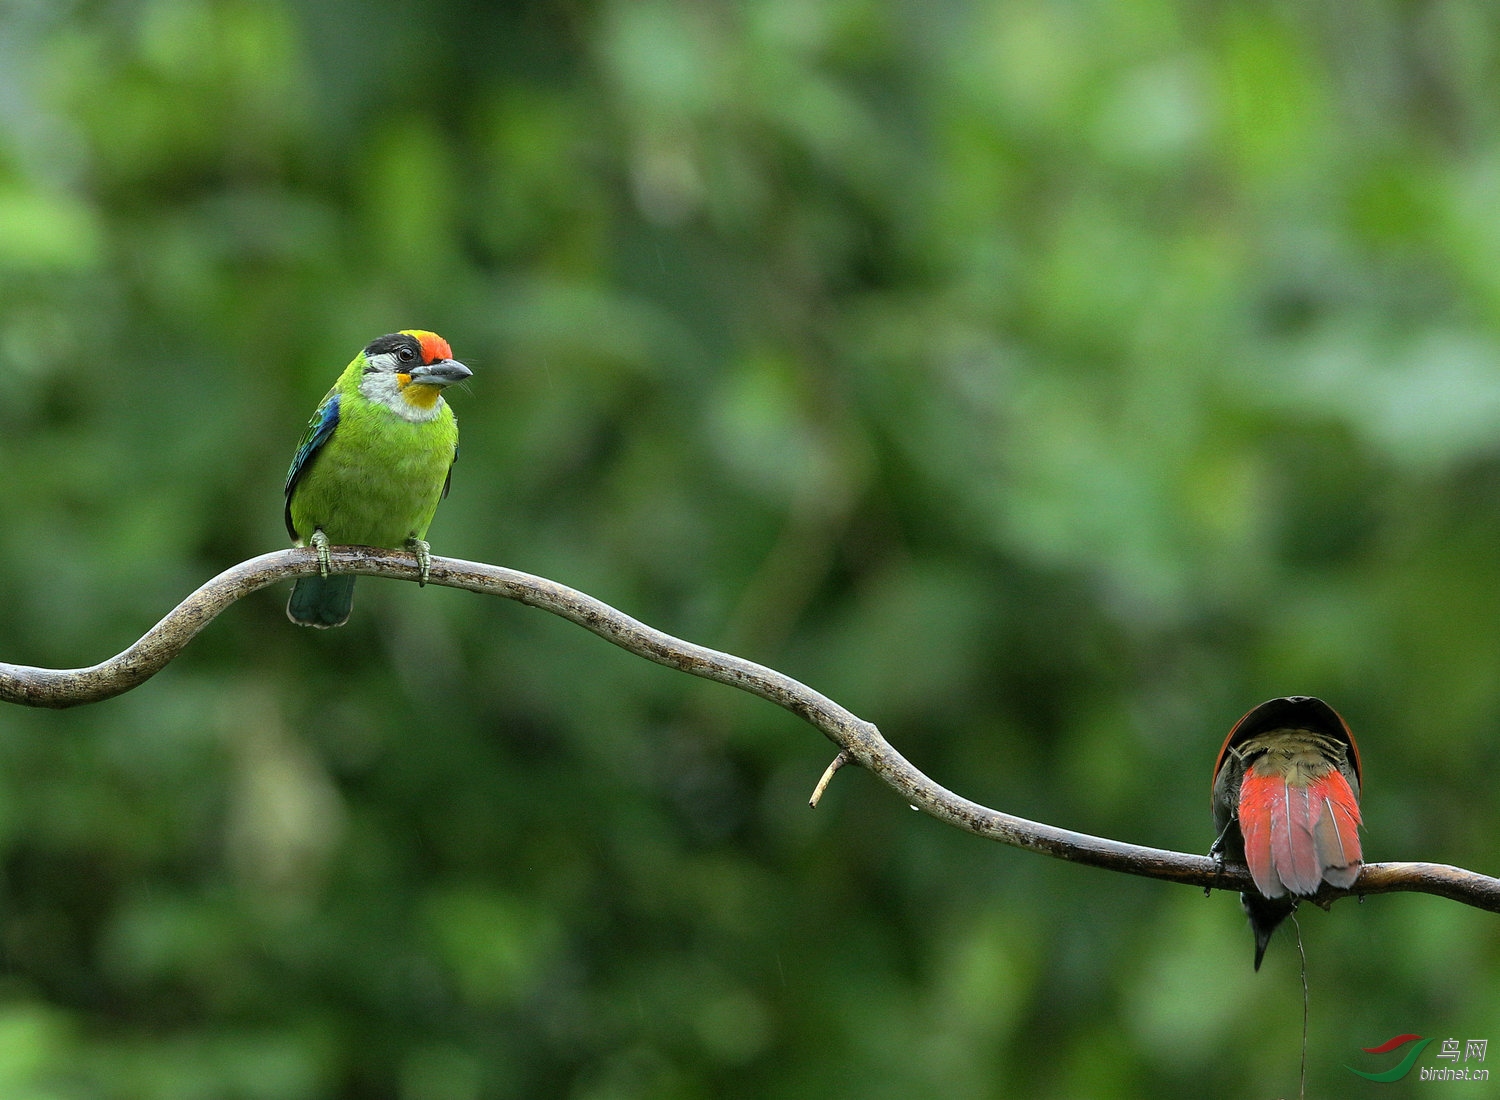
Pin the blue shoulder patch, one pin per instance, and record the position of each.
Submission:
(319, 428)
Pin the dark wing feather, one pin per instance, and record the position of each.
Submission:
(319, 428)
(448, 481)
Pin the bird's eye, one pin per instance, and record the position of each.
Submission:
(406, 355)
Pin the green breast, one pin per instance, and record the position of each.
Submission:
(378, 479)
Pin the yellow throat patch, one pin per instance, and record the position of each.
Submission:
(419, 395)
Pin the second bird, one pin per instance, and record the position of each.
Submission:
(1286, 803)
(375, 461)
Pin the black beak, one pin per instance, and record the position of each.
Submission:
(444, 372)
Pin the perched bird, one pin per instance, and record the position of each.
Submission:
(1286, 803)
(376, 459)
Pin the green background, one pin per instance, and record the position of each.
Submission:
(1047, 382)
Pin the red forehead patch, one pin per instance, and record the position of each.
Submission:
(434, 347)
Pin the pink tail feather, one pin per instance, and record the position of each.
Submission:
(1295, 837)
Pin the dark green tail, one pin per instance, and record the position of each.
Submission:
(321, 601)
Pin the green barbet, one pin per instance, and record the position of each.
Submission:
(375, 461)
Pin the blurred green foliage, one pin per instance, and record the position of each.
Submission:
(1047, 381)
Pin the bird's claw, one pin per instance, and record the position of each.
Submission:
(1216, 853)
(424, 559)
(1216, 850)
(320, 543)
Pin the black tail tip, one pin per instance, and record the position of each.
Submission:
(1262, 941)
(1266, 915)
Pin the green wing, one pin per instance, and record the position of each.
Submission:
(319, 429)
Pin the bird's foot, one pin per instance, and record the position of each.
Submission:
(1216, 853)
(320, 543)
(1216, 850)
(424, 558)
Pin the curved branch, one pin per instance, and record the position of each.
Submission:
(858, 741)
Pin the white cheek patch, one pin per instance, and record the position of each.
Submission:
(384, 388)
